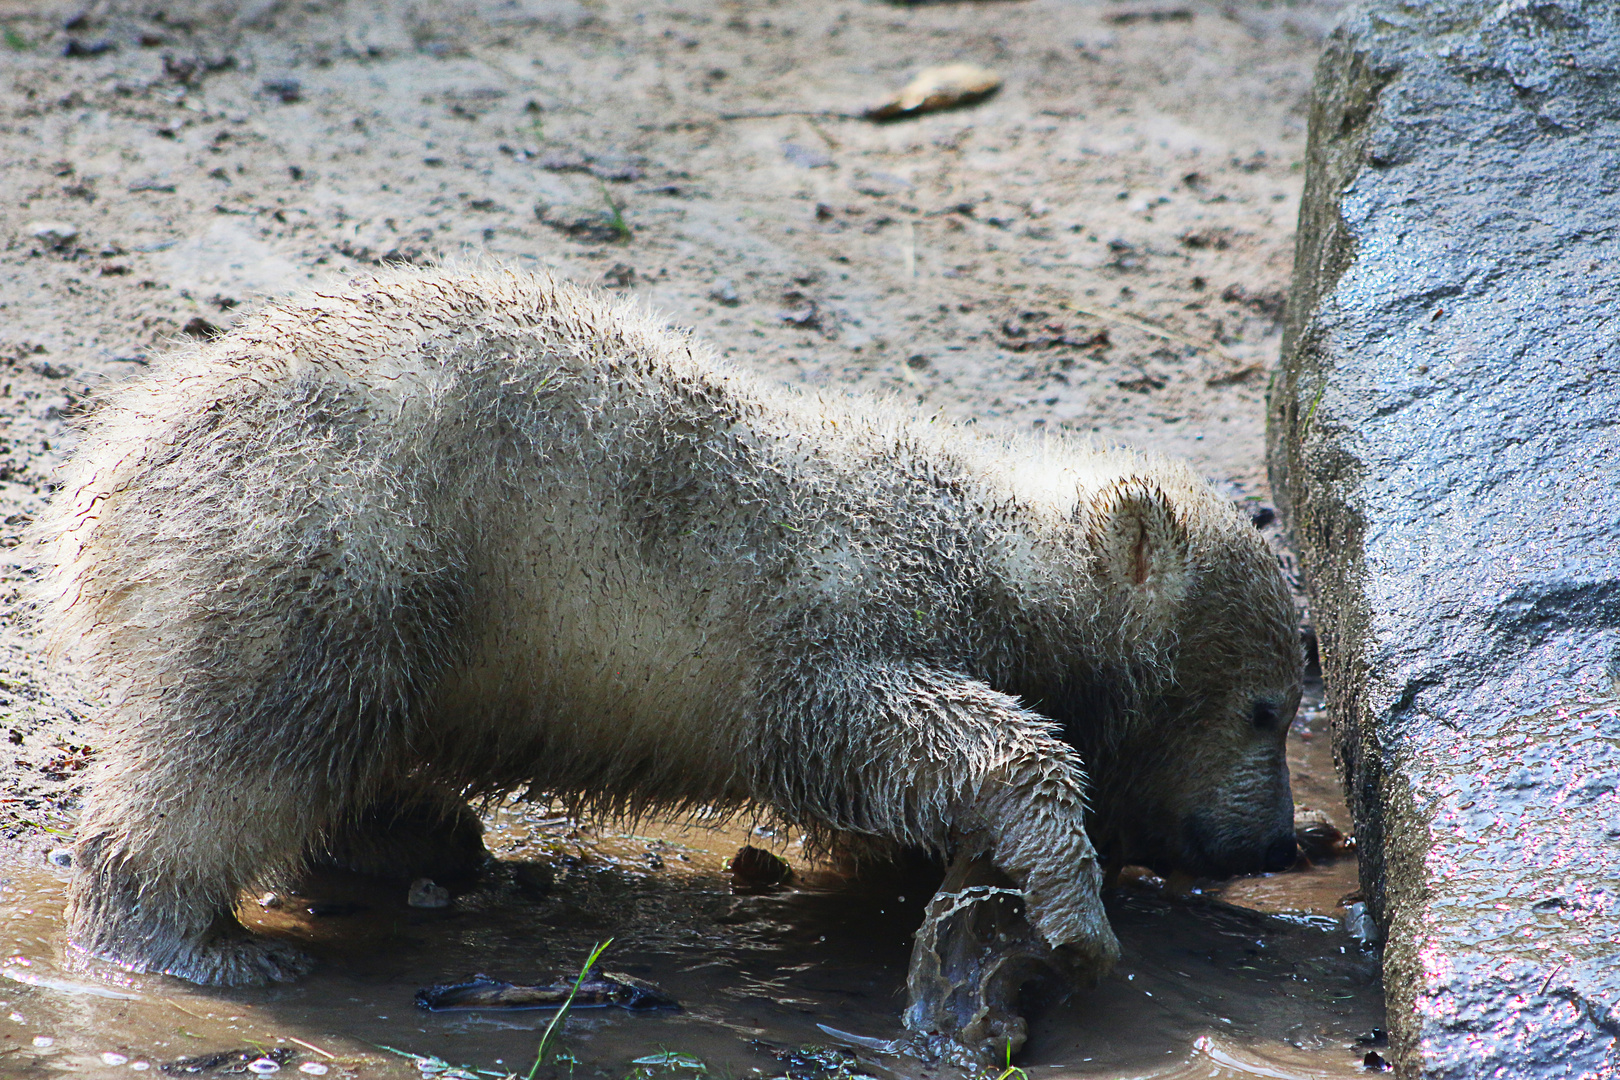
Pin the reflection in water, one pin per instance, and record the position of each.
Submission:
(1205, 989)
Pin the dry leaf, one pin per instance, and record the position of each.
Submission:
(946, 87)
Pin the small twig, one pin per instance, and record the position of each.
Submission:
(311, 1046)
(1138, 323)
(772, 114)
(182, 1008)
(1550, 976)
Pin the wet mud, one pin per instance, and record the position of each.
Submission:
(1206, 988)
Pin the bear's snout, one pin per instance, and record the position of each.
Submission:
(1211, 851)
(1281, 853)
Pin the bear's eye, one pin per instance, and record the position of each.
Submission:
(1265, 716)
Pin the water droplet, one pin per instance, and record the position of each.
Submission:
(112, 1058)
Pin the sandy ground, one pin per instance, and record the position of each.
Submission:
(1102, 246)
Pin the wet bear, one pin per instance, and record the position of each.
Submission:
(442, 534)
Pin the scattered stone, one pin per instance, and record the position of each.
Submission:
(806, 157)
(801, 311)
(619, 276)
(201, 328)
(286, 91)
(879, 183)
(586, 225)
(313, 1068)
(152, 183)
(238, 1062)
(724, 291)
(43, 1041)
(949, 86)
(112, 1058)
(54, 234)
(270, 901)
(62, 857)
(613, 167)
(755, 870)
(1149, 13)
(425, 893)
(46, 369)
(78, 48)
(263, 1066)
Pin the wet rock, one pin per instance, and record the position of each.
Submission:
(757, 870)
(1442, 441)
(426, 893)
(1318, 838)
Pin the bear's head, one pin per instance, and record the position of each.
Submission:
(1184, 732)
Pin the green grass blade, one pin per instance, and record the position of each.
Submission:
(554, 1029)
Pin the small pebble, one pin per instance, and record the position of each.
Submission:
(263, 1066)
(140, 1066)
(425, 893)
(61, 856)
(111, 1058)
(54, 233)
(43, 1041)
(270, 900)
(723, 291)
(314, 1068)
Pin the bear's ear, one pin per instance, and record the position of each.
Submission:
(1143, 547)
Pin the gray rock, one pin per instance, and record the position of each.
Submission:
(1444, 445)
(53, 234)
(724, 291)
(426, 893)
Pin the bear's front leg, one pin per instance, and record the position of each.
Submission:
(935, 759)
(973, 953)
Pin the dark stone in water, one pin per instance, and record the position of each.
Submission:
(1443, 446)
(755, 870)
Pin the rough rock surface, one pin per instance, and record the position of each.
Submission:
(1444, 438)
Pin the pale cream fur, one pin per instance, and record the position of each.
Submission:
(467, 532)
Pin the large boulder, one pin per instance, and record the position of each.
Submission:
(1445, 445)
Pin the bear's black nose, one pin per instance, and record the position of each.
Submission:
(1281, 852)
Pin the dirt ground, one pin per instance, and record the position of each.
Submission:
(1101, 246)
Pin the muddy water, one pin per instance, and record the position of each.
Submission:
(1206, 988)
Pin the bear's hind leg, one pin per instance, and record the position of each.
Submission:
(164, 928)
(155, 883)
(424, 833)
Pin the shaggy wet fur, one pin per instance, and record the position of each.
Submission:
(437, 535)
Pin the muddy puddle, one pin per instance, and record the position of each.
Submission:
(1206, 988)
